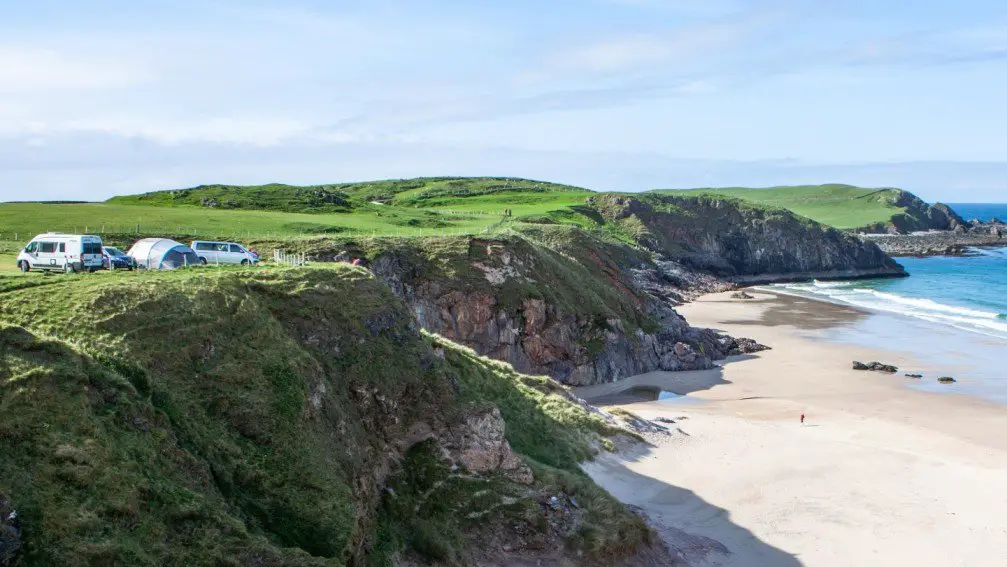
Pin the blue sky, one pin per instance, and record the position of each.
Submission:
(107, 97)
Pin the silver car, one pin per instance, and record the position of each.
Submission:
(213, 252)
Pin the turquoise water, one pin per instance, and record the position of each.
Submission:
(981, 211)
(950, 314)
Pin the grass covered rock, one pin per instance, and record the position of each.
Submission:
(276, 417)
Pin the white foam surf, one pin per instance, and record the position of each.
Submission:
(964, 318)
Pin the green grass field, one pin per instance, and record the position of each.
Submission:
(25, 220)
(841, 206)
(409, 208)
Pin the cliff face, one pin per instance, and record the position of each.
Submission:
(578, 309)
(743, 243)
(280, 417)
(918, 216)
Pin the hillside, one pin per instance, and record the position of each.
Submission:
(741, 242)
(475, 193)
(845, 206)
(280, 417)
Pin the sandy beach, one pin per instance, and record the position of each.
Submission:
(880, 473)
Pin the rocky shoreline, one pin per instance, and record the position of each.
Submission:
(942, 243)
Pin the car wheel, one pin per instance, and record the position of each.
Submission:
(202, 261)
(69, 268)
(25, 266)
(244, 262)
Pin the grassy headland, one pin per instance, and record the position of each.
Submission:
(840, 206)
(237, 416)
(412, 207)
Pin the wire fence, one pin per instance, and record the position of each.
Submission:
(290, 259)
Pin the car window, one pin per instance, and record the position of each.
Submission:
(114, 251)
(31, 248)
(62, 247)
(221, 248)
(91, 248)
(236, 248)
(204, 246)
(47, 247)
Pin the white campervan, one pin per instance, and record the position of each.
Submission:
(64, 252)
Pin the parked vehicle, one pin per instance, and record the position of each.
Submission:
(114, 259)
(223, 253)
(61, 252)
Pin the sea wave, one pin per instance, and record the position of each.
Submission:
(965, 318)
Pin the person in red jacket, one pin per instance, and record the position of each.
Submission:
(802, 418)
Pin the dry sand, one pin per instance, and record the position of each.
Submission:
(879, 475)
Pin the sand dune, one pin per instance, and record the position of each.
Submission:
(878, 475)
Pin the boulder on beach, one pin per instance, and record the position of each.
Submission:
(875, 366)
(742, 295)
(914, 376)
(946, 380)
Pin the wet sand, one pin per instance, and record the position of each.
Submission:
(880, 474)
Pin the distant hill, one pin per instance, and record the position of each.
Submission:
(846, 206)
(495, 192)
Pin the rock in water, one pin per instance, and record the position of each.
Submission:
(876, 367)
(946, 380)
(746, 346)
(914, 376)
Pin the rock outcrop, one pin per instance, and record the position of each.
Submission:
(743, 243)
(478, 445)
(918, 215)
(957, 242)
(875, 367)
(596, 312)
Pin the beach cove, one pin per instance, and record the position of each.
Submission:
(887, 470)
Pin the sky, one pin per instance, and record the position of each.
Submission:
(114, 97)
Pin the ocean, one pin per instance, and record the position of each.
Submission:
(951, 313)
(981, 211)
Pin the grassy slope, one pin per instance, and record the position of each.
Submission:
(422, 207)
(841, 206)
(201, 417)
(415, 207)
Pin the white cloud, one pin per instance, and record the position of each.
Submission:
(643, 50)
(28, 68)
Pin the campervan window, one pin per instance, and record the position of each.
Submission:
(62, 247)
(236, 248)
(92, 247)
(31, 248)
(47, 247)
(221, 248)
(204, 246)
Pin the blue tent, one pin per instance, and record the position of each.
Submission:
(162, 254)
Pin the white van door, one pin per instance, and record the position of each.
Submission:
(62, 258)
(237, 254)
(221, 254)
(205, 250)
(31, 255)
(47, 255)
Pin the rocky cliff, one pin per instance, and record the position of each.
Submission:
(743, 243)
(550, 300)
(919, 215)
